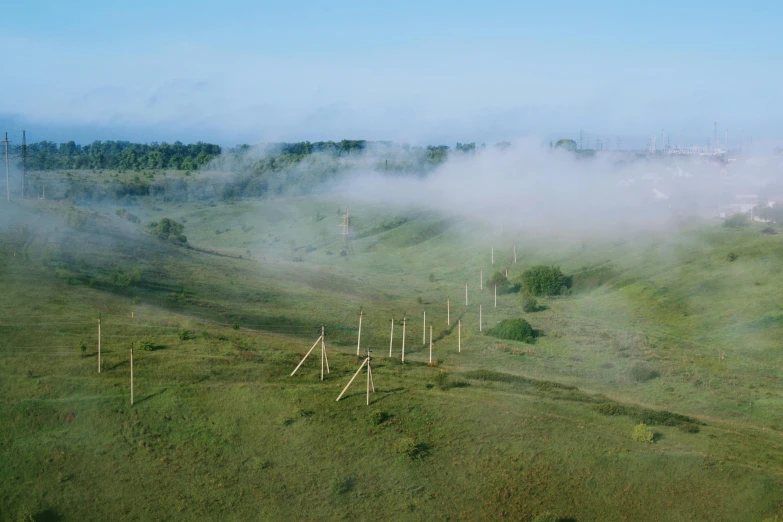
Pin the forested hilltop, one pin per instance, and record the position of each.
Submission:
(116, 170)
(125, 155)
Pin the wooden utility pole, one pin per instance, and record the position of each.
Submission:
(424, 329)
(430, 344)
(370, 383)
(481, 280)
(369, 378)
(480, 318)
(391, 337)
(459, 335)
(466, 294)
(359, 341)
(404, 320)
(496, 296)
(324, 358)
(7, 186)
(493, 255)
(99, 343)
(448, 312)
(131, 368)
(515, 254)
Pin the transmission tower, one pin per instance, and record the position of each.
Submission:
(346, 231)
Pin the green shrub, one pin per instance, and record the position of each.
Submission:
(642, 372)
(513, 330)
(442, 379)
(731, 256)
(185, 335)
(736, 221)
(82, 346)
(341, 486)
(689, 427)
(124, 214)
(529, 303)
(641, 433)
(647, 416)
(146, 344)
(168, 230)
(545, 280)
(546, 517)
(431, 277)
(500, 281)
(124, 279)
(408, 447)
(235, 326)
(378, 417)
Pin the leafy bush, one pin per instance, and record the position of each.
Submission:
(736, 221)
(545, 280)
(646, 416)
(500, 281)
(124, 214)
(124, 279)
(82, 346)
(768, 230)
(146, 344)
(168, 230)
(529, 304)
(431, 277)
(546, 517)
(641, 433)
(185, 335)
(235, 326)
(341, 486)
(442, 379)
(642, 372)
(731, 256)
(408, 447)
(513, 330)
(378, 417)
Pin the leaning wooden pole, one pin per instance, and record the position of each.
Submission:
(305, 357)
(352, 379)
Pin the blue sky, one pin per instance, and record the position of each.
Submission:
(249, 71)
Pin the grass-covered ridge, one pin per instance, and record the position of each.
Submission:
(662, 331)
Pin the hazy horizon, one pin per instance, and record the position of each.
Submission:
(439, 73)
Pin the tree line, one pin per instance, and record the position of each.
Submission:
(119, 155)
(271, 157)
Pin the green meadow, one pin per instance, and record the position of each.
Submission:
(678, 329)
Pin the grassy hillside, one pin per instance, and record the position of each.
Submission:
(219, 430)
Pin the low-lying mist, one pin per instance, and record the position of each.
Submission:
(545, 191)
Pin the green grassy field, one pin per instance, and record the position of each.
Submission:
(219, 430)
